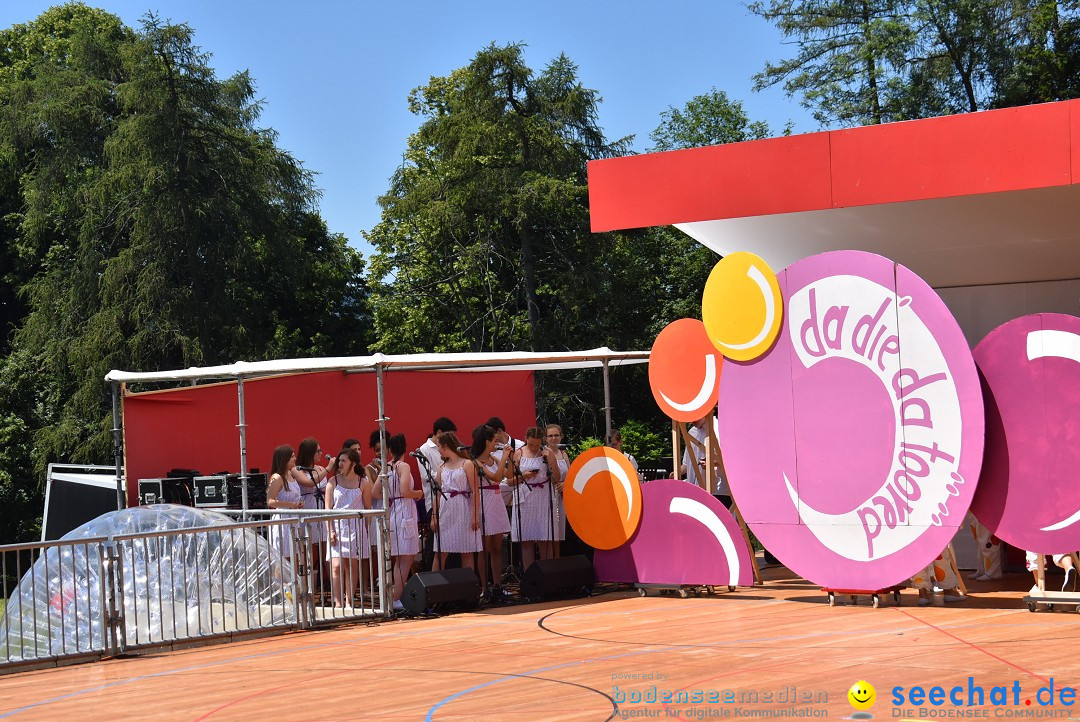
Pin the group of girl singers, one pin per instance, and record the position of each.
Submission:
(470, 515)
(346, 485)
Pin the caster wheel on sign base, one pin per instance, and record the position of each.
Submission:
(832, 599)
(731, 587)
(896, 596)
(1032, 606)
(854, 599)
(683, 594)
(875, 601)
(643, 592)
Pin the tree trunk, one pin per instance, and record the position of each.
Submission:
(528, 267)
(870, 63)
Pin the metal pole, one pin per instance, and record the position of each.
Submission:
(387, 494)
(243, 447)
(118, 446)
(607, 404)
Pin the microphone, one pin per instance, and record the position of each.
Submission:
(463, 448)
(563, 447)
(328, 457)
(417, 455)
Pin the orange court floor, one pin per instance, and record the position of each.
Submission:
(777, 650)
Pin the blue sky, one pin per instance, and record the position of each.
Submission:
(335, 75)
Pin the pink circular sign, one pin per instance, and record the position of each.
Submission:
(1028, 493)
(853, 447)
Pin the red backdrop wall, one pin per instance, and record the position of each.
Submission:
(195, 427)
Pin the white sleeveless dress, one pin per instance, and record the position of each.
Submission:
(534, 507)
(404, 534)
(455, 533)
(281, 536)
(352, 537)
(493, 517)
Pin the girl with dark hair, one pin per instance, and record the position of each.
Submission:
(373, 478)
(348, 537)
(312, 480)
(457, 519)
(404, 533)
(282, 493)
(494, 520)
(533, 515)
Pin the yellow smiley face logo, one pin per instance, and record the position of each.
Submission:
(862, 695)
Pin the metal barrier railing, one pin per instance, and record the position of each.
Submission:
(333, 587)
(101, 596)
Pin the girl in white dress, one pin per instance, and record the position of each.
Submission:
(534, 506)
(457, 518)
(494, 521)
(282, 493)
(553, 436)
(312, 480)
(348, 537)
(404, 533)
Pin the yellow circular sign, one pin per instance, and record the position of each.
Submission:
(742, 307)
(602, 497)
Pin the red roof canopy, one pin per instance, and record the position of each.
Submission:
(988, 197)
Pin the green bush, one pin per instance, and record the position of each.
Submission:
(584, 445)
(638, 441)
(643, 444)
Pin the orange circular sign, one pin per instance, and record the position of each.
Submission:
(684, 370)
(602, 495)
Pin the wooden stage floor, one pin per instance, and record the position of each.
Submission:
(571, 660)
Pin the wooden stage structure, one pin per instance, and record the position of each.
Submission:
(573, 659)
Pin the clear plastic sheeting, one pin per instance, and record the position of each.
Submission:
(147, 575)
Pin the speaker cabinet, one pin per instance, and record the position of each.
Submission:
(441, 590)
(554, 577)
(210, 491)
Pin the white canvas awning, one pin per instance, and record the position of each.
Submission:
(379, 363)
(512, 360)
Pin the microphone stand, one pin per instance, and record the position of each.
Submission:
(551, 500)
(518, 479)
(436, 493)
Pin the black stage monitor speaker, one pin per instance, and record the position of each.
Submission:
(551, 577)
(433, 590)
(74, 495)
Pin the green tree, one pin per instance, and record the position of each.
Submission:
(71, 53)
(1044, 63)
(874, 61)
(708, 119)
(162, 228)
(849, 68)
(484, 240)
